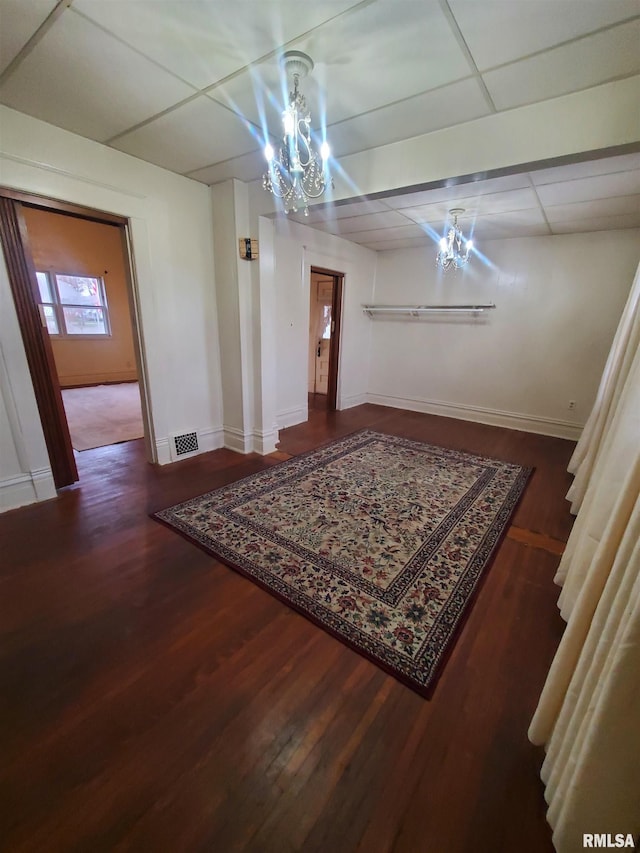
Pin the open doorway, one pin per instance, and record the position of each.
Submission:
(71, 297)
(82, 282)
(325, 307)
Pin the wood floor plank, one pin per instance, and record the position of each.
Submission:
(153, 699)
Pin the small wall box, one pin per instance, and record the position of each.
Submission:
(248, 248)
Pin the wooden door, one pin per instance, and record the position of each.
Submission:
(320, 329)
(22, 279)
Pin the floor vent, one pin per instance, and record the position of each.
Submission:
(187, 443)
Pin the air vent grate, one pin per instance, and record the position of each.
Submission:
(187, 443)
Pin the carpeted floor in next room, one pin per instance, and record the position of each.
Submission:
(99, 415)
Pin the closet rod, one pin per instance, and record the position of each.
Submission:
(416, 310)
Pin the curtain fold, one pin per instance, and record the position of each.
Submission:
(588, 716)
(625, 345)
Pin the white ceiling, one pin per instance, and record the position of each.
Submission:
(190, 84)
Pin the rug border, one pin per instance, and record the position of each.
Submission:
(426, 692)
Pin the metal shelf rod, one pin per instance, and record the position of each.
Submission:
(416, 310)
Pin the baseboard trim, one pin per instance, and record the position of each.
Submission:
(291, 417)
(163, 451)
(354, 400)
(236, 439)
(492, 417)
(210, 439)
(25, 489)
(265, 441)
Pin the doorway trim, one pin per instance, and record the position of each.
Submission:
(336, 327)
(22, 279)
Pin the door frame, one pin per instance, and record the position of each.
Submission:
(336, 327)
(14, 240)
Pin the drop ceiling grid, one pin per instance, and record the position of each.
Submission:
(100, 86)
(162, 81)
(26, 19)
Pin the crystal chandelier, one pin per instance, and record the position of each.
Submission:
(454, 248)
(296, 174)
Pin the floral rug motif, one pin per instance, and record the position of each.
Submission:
(378, 539)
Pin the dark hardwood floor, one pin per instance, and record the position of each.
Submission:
(154, 700)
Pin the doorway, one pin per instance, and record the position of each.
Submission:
(325, 308)
(82, 283)
(40, 296)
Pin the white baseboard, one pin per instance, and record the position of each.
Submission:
(265, 441)
(354, 400)
(210, 439)
(256, 441)
(493, 417)
(235, 439)
(44, 484)
(163, 451)
(25, 489)
(291, 417)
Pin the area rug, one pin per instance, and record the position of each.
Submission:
(378, 539)
(98, 415)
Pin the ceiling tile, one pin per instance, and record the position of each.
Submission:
(189, 137)
(415, 47)
(18, 22)
(603, 166)
(203, 42)
(457, 191)
(517, 223)
(389, 245)
(246, 167)
(601, 223)
(112, 86)
(499, 31)
(397, 233)
(331, 212)
(585, 189)
(620, 205)
(578, 65)
(371, 221)
(444, 107)
(475, 206)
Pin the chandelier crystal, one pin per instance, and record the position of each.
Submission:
(297, 173)
(454, 248)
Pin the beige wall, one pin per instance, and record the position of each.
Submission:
(65, 244)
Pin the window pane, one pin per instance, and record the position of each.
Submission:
(50, 317)
(43, 286)
(326, 322)
(76, 290)
(85, 321)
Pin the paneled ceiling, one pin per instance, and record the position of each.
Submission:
(195, 85)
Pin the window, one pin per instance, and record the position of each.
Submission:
(74, 305)
(326, 322)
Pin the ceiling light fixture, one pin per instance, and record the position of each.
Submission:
(297, 174)
(454, 248)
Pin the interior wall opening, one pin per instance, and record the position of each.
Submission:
(72, 281)
(325, 306)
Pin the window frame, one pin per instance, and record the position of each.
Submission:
(58, 306)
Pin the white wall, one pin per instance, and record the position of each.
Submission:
(25, 471)
(297, 248)
(171, 227)
(558, 301)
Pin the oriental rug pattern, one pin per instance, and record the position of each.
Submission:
(378, 539)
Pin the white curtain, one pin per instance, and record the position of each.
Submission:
(588, 717)
(625, 345)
